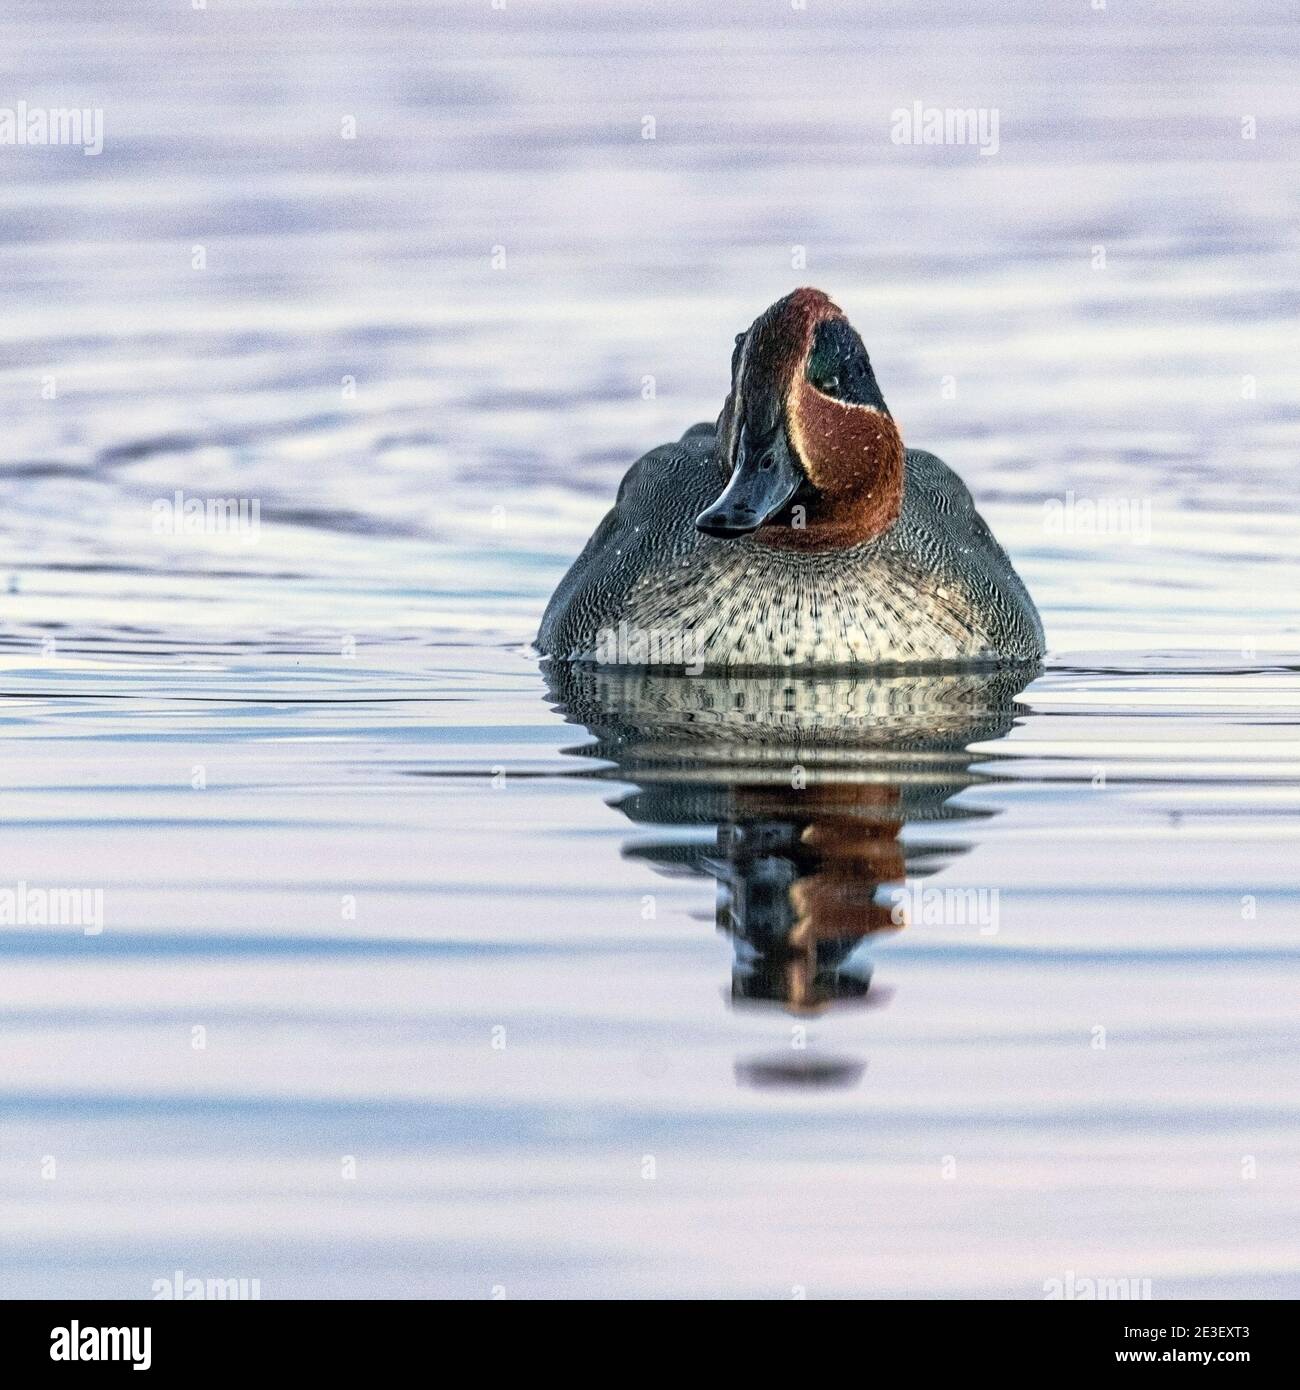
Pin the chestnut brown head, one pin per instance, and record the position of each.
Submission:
(814, 457)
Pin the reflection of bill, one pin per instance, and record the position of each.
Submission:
(802, 787)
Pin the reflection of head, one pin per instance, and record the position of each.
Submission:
(805, 784)
(800, 875)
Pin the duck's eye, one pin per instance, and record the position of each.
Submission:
(828, 385)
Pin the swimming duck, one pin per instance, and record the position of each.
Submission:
(796, 532)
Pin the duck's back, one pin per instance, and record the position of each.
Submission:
(935, 587)
(650, 527)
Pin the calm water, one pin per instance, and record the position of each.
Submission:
(420, 976)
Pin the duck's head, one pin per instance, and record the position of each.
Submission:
(814, 456)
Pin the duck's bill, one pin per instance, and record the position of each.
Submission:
(761, 485)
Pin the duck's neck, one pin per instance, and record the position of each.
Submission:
(853, 456)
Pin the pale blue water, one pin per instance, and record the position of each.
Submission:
(476, 1012)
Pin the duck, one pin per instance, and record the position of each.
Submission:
(797, 531)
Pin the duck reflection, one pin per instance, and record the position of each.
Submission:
(802, 786)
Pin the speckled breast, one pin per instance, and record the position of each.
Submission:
(745, 604)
